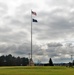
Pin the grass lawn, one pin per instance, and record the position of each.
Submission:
(36, 70)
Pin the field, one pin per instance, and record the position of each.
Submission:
(36, 70)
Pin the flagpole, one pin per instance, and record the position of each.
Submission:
(31, 34)
(32, 20)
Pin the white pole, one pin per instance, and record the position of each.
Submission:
(31, 34)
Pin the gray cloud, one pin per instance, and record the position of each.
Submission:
(54, 23)
(3, 10)
(57, 51)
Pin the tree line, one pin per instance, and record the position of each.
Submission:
(10, 60)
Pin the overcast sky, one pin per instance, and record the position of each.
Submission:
(53, 35)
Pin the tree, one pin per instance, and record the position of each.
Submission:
(2, 59)
(73, 62)
(18, 61)
(50, 62)
(25, 61)
(10, 60)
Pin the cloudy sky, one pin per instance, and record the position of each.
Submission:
(53, 35)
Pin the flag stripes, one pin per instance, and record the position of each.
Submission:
(34, 13)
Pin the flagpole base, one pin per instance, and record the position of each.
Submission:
(31, 63)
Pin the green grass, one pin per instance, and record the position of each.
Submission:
(36, 70)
